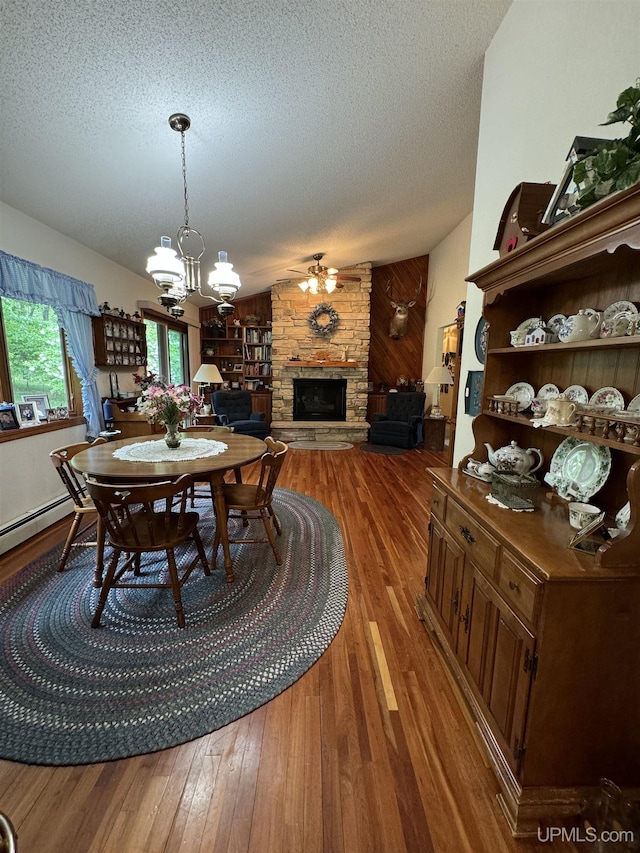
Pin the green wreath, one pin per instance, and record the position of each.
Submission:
(324, 328)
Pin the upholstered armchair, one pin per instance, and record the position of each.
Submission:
(233, 408)
(401, 425)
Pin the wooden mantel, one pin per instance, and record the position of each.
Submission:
(315, 363)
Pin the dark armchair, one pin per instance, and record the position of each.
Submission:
(401, 425)
(233, 408)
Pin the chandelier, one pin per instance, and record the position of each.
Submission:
(179, 277)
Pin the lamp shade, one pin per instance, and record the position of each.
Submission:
(208, 374)
(439, 376)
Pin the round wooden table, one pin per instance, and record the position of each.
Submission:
(99, 463)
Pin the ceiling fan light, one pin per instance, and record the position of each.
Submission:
(313, 285)
(165, 267)
(304, 286)
(330, 285)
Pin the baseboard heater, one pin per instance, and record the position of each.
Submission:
(37, 513)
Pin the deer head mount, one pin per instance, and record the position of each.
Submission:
(400, 320)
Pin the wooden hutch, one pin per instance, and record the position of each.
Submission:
(544, 640)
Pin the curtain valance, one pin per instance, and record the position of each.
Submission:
(20, 279)
(74, 302)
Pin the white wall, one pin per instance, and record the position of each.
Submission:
(448, 268)
(552, 72)
(24, 462)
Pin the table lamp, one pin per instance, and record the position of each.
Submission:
(207, 374)
(438, 376)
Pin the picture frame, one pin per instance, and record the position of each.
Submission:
(237, 367)
(473, 392)
(562, 204)
(59, 413)
(28, 414)
(8, 417)
(586, 539)
(40, 401)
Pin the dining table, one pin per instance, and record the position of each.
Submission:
(105, 463)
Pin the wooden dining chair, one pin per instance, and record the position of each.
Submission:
(254, 500)
(140, 519)
(202, 488)
(8, 835)
(82, 504)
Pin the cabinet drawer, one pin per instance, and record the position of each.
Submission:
(520, 589)
(471, 537)
(438, 503)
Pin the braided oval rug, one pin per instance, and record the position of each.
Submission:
(71, 694)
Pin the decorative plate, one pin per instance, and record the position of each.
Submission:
(634, 405)
(555, 324)
(576, 393)
(579, 469)
(617, 307)
(524, 394)
(481, 339)
(622, 518)
(549, 392)
(529, 325)
(619, 325)
(607, 398)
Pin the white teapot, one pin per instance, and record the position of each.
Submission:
(581, 326)
(514, 459)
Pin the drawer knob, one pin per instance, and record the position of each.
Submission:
(513, 585)
(466, 533)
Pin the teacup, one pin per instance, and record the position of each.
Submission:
(539, 406)
(561, 412)
(582, 514)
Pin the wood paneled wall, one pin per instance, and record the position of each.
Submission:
(259, 304)
(389, 359)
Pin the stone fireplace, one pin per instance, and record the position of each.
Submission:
(300, 353)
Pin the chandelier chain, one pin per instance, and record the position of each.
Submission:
(184, 181)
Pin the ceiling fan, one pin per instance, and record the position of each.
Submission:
(319, 278)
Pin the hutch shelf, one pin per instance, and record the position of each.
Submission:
(119, 342)
(543, 639)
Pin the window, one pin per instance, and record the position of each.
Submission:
(36, 354)
(167, 349)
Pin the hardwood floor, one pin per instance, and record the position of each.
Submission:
(369, 751)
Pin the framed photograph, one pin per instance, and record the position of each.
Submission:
(27, 414)
(40, 401)
(237, 367)
(8, 417)
(60, 413)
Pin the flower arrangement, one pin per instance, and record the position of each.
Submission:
(168, 404)
(148, 380)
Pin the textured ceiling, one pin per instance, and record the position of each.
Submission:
(340, 126)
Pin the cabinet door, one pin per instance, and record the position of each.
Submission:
(451, 568)
(507, 678)
(477, 613)
(432, 578)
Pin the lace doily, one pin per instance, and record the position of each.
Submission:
(157, 451)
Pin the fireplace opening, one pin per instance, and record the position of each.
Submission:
(319, 399)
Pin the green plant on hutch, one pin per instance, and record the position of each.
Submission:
(614, 165)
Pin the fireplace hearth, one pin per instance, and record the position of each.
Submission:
(319, 399)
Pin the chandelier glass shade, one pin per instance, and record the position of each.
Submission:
(179, 276)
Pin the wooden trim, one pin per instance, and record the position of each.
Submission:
(321, 364)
